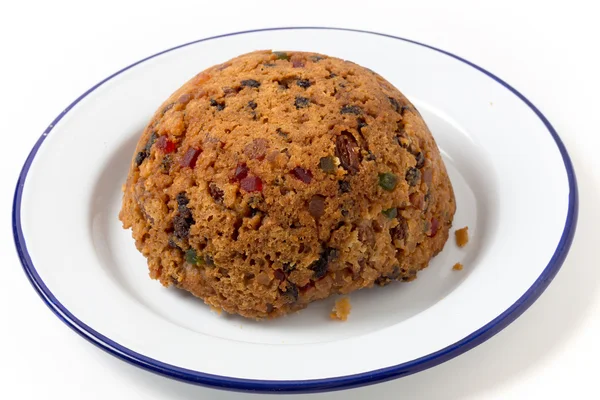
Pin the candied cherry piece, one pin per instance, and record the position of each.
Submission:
(165, 145)
(302, 174)
(190, 157)
(241, 171)
(251, 184)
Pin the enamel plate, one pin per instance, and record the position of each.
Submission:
(515, 190)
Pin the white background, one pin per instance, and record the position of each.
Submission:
(51, 52)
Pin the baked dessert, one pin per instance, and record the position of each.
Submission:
(279, 178)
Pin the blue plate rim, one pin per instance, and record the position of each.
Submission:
(314, 385)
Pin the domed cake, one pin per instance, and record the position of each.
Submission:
(280, 178)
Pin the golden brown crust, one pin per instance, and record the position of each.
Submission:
(278, 171)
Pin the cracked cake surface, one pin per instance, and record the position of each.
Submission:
(279, 178)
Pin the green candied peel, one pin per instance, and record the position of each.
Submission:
(390, 212)
(327, 164)
(281, 55)
(191, 257)
(388, 181)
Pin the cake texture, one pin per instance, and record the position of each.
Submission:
(279, 178)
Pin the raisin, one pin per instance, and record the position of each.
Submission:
(395, 104)
(215, 193)
(361, 124)
(366, 235)
(316, 206)
(346, 149)
(413, 176)
(219, 105)
(303, 83)
(345, 213)
(388, 181)
(191, 257)
(256, 149)
(315, 58)
(435, 224)
(297, 64)
(210, 262)
(344, 186)
(281, 55)
(301, 102)
(400, 231)
(166, 162)
(182, 225)
(420, 160)
(251, 184)
(331, 75)
(250, 83)
(241, 171)
(140, 157)
(269, 64)
(327, 165)
(347, 109)
(302, 174)
(291, 292)
(252, 105)
(288, 268)
(390, 212)
(190, 157)
(281, 133)
(167, 108)
(279, 275)
(321, 266)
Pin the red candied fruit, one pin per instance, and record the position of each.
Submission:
(251, 184)
(241, 171)
(165, 145)
(435, 224)
(297, 64)
(190, 157)
(302, 174)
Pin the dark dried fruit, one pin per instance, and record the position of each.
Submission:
(256, 149)
(250, 83)
(327, 165)
(316, 206)
(165, 145)
(215, 192)
(413, 176)
(346, 149)
(209, 260)
(166, 162)
(303, 83)
(420, 157)
(241, 171)
(361, 124)
(290, 292)
(269, 64)
(281, 55)
(316, 58)
(140, 157)
(301, 102)
(400, 231)
(344, 186)
(302, 174)
(366, 235)
(167, 108)
(182, 200)
(191, 257)
(388, 181)
(279, 275)
(321, 266)
(190, 157)
(395, 104)
(281, 133)
(252, 105)
(390, 212)
(288, 268)
(219, 105)
(348, 109)
(251, 184)
(332, 75)
(297, 64)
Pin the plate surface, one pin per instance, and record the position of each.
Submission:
(514, 184)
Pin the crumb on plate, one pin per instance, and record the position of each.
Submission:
(341, 310)
(462, 236)
(457, 267)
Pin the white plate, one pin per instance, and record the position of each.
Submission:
(515, 189)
